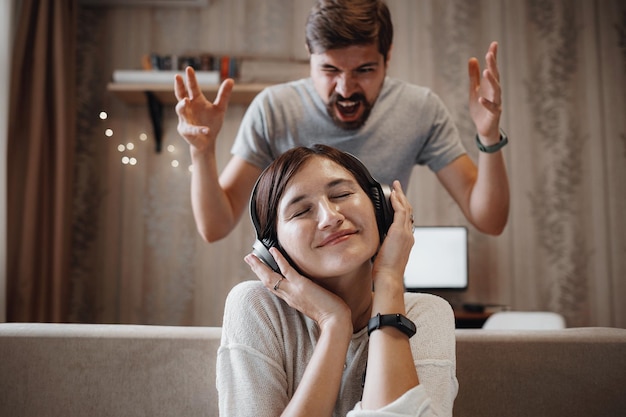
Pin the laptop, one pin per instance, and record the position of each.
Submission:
(438, 259)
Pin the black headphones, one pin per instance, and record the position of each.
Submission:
(378, 193)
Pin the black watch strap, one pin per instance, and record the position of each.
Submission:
(398, 321)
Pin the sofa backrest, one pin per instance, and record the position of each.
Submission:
(570, 372)
(85, 370)
(122, 370)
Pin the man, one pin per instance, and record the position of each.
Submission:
(349, 103)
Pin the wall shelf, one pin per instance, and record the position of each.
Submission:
(135, 94)
(156, 95)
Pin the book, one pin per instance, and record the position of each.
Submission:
(162, 76)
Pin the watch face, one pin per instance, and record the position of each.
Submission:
(398, 321)
(408, 324)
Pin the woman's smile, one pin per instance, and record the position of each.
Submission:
(337, 237)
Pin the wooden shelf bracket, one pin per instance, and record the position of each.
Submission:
(155, 108)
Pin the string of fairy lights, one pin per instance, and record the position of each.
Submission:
(127, 156)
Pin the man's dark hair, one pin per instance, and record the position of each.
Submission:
(334, 24)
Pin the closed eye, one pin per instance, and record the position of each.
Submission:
(330, 69)
(341, 195)
(300, 213)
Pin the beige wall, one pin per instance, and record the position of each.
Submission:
(139, 259)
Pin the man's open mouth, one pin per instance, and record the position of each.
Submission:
(348, 113)
(348, 108)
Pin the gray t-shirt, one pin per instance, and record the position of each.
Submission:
(408, 125)
(266, 346)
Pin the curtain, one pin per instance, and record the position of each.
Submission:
(41, 161)
(563, 72)
(562, 66)
(6, 43)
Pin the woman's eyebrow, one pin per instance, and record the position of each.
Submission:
(338, 181)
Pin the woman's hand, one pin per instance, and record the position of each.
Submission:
(199, 120)
(299, 292)
(394, 253)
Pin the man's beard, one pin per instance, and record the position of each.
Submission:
(332, 108)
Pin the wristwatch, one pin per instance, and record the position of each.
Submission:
(398, 321)
(495, 147)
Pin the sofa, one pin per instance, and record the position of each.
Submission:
(134, 370)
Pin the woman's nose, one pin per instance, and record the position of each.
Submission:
(329, 215)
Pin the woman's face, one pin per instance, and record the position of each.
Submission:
(326, 222)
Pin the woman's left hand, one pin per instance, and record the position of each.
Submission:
(394, 252)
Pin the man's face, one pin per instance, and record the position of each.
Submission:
(349, 80)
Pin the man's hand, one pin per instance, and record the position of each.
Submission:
(199, 120)
(485, 101)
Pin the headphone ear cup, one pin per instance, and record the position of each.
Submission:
(380, 195)
(261, 251)
(387, 216)
(261, 247)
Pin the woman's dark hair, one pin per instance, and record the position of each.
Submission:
(334, 24)
(273, 181)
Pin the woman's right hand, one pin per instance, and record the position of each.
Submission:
(394, 253)
(199, 120)
(309, 298)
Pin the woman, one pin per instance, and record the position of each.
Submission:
(297, 342)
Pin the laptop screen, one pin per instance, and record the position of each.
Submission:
(438, 260)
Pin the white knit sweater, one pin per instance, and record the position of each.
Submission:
(266, 346)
